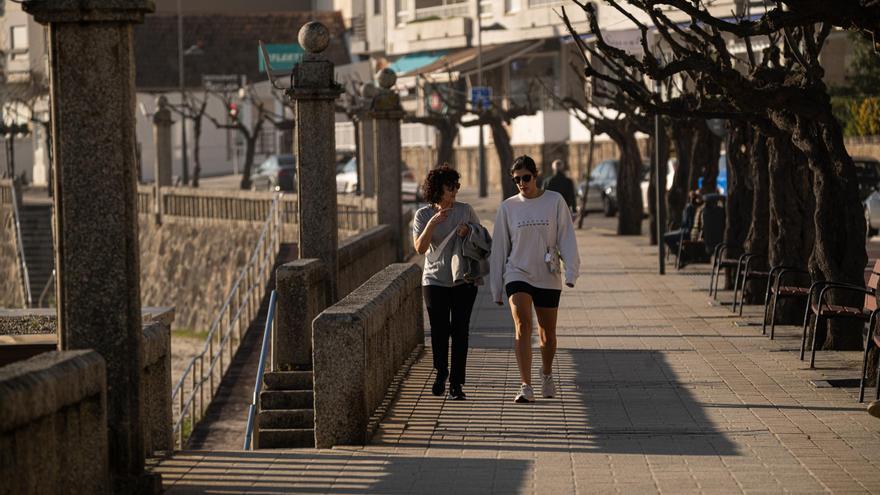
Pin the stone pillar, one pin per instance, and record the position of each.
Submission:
(367, 157)
(314, 91)
(162, 137)
(386, 111)
(92, 97)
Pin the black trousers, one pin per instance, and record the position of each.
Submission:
(449, 312)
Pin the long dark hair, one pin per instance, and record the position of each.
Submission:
(524, 162)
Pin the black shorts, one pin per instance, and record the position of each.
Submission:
(541, 298)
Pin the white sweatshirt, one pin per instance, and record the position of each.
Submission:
(525, 229)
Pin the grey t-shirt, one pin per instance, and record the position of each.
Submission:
(440, 272)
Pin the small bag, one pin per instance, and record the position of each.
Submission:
(551, 258)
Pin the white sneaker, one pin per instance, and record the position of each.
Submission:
(548, 388)
(525, 394)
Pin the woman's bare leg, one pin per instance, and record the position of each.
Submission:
(521, 309)
(547, 333)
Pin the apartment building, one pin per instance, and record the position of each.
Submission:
(24, 93)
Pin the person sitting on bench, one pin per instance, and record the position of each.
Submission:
(673, 237)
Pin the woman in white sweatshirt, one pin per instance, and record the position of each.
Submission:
(532, 231)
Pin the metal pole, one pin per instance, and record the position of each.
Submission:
(482, 149)
(184, 163)
(660, 195)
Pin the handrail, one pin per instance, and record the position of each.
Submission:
(264, 350)
(234, 316)
(26, 280)
(46, 289)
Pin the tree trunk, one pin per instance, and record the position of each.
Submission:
(839, 253)
(629, 177)
(250, 147)
(582, 211)
(197, 157)
(791, 223)
(505, 156)
(739, 186)
(652, 185)
(704, 158)
(445, 148)
(758, 238)
(682, 135)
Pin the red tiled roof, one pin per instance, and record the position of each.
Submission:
(228, 44)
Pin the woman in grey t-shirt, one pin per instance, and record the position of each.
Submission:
(449, 304)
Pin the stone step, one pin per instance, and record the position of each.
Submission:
(286, 399)
(288, 380)
(293, 418)
(287, 438)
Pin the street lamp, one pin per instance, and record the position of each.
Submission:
(482, 149)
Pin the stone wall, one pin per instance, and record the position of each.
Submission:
(866, 146)
(360, 344)
(191, 265)
(361, 256)
(53, 424)
(156, 362)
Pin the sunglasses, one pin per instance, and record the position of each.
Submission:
(453, 187)
(525, 179)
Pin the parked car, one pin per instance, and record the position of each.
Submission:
(276, 173)
(721, 179)
(601, 187)
(868, 175)
(347, 178)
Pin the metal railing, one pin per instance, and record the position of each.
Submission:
(201, 379)
(19, 243)
(251, 433)
(45, 291)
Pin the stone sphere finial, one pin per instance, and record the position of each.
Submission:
(386, 78)
(368, 90)
(314, 37)
(162, 101)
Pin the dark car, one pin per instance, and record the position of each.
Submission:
(601, 188)
(277, 173)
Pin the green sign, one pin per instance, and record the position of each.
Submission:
(281, 57)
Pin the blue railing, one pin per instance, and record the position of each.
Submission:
(258, 383)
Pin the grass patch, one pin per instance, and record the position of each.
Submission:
(189, 333)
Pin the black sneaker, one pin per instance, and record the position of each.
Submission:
(456, 393)
(439, 384)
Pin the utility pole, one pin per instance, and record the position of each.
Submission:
(181, 83)
(482, 148)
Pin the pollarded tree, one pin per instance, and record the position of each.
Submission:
(447, 118)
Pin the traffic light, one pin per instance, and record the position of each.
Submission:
(233, 111)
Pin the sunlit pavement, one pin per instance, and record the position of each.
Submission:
(658, 392)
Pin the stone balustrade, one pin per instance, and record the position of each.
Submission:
(53, 424)
(360, 344)
(35, 329)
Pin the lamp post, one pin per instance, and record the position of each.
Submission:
(183, 147)
(482, 150)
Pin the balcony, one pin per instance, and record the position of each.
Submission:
(436, 33)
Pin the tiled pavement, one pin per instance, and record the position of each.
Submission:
(659, 392)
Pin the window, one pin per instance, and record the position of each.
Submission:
(18, 38)
(512, 5)
(540, 3)
(377, 7)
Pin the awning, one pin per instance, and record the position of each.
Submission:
(464, 62)
(414, 61)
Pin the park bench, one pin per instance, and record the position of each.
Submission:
(819, 307)
(872, 341)
(720, 261)
(710, 235)
(777, 289)
(746, 270)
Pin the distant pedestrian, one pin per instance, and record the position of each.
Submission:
(560, 183)
(449, 297)
(532, 231)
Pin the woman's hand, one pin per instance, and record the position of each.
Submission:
(439, 217)
(463, 230)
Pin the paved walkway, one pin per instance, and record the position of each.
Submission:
(659, 392)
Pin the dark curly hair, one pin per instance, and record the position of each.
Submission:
(432, 188)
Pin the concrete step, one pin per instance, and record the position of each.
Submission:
(280, 420)
(287, 438)
(286, 399)
(288, 380)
